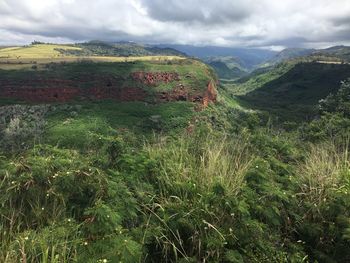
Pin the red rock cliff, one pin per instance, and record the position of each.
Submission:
(152, 78)
(210, 94)
(101, 87)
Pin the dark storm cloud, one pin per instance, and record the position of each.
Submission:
(184, 11)
(341, 20)
(253, 23)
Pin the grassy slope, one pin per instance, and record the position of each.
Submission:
(227, 67)
(292, 90)
(34, 51)
(74, 126)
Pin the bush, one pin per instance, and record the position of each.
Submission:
(21, 126)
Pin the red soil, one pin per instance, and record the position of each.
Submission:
(57, 90)
(181, 93)
(152, 78)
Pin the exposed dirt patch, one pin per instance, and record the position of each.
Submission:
(181, 93)
(153, 78)
(210, 94)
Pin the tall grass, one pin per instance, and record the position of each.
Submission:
(48, 245)
(204, 161)
(323, 169)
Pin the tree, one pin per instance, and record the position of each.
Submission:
(339, 102)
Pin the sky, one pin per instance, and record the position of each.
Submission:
(272, 24)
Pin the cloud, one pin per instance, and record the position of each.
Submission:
(184, 11)
(251, 23)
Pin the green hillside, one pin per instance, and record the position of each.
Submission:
(294, 94)
(289, 53)
(227, 67)
(333, 54)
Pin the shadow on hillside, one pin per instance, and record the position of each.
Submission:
(294, 96)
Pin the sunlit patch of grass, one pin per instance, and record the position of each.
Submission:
(206, 162)
(323, 169)
(28, 56)
(34, 51)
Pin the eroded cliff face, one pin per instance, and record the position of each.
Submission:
(181, 93)
(56, 90)
(210, 94)
(154, 78)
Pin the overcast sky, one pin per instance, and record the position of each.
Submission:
(240, 23)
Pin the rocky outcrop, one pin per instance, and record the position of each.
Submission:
(210, 94)
(181, 93)
(153, 78)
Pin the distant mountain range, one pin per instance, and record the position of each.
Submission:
(229, 63)
(233, 63)
(248, 57)
(339, 53)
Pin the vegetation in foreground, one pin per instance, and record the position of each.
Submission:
(80, 185)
